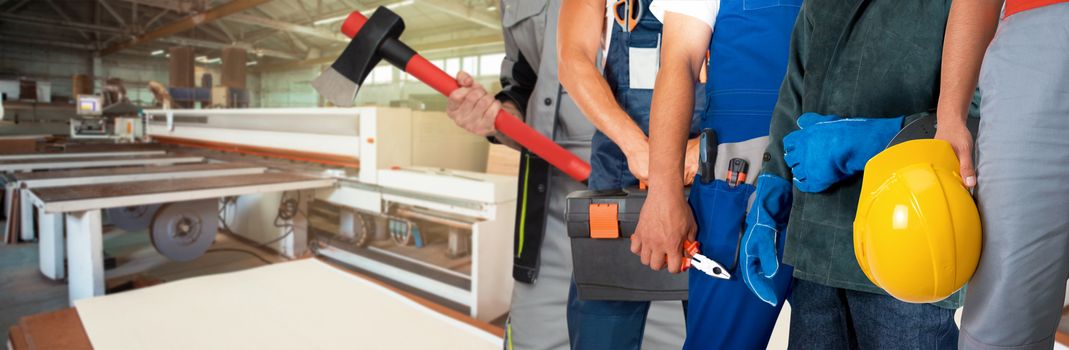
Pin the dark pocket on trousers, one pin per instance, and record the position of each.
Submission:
(720, 212)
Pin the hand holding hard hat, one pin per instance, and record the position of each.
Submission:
(917, 230)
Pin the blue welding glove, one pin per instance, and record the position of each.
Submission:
(766, 225)
(828, 149)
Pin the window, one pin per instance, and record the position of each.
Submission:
(439, 63)
(471, 65)
(452, 66)
(491, 64)
(382, 75)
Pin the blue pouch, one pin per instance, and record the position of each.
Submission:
(720, 212)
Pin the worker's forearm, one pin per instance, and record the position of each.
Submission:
(970, 28)
(580, 76)
(579, 38)
(670, 117)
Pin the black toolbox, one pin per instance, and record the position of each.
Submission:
(604, 267)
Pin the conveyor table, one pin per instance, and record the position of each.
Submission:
(50, 242)
(83, 204)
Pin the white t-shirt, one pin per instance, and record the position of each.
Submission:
(702, 10)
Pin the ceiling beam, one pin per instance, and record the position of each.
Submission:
(461, 43)
(17, 6)
(51, 23)
(112, 11)
(180, 6)
(213, 32)
(52, 43)
(286, 26)
(481, 17)
(45, 22)
(297, 43)
(155, 18)
(222, 27)
(64, 15)
(186, 23)
(219, 46)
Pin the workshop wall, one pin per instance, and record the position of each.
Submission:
(55, 66)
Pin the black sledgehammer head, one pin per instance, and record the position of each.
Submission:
(376, 40)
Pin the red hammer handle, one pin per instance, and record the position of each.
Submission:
(505, 122)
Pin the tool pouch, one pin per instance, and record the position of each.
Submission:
(720, 212)
(720, 208)
(600, 224)
(530, 217)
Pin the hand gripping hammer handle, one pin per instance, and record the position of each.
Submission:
(505, 122)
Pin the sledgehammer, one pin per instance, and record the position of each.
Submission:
(376, 38)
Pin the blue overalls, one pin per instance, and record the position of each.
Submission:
(748, 59)
(630, 70)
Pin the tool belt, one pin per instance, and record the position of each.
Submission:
(600, 224)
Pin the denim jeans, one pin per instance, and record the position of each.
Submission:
(829, 318)
(607, 324)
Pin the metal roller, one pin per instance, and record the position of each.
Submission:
(183, 231)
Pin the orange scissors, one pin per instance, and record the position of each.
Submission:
(632, 13)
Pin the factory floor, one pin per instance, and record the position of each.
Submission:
(25, 291)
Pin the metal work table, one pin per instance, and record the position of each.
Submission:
(50, 242)
(83, 204)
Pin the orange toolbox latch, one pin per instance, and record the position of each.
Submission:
(604, 221)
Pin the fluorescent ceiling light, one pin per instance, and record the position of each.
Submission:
(157, 52)
(205, 59)
(365, 13)
(399, 4)
(251, 63)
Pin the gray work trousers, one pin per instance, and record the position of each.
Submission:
(1014, 300)
(538, 313)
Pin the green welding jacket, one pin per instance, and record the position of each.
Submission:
(853, 58)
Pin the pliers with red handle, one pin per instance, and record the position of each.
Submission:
(701, 262)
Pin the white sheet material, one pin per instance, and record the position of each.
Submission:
(303, 304)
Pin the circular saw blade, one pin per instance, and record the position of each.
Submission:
(183, 231)
(133, 218)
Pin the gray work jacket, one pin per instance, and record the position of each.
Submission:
(531, 52)
(529, 79)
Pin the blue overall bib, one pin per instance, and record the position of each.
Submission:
(638, 50)
(748, 59)
(630, 70)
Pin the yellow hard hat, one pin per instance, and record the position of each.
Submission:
(917, 230)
